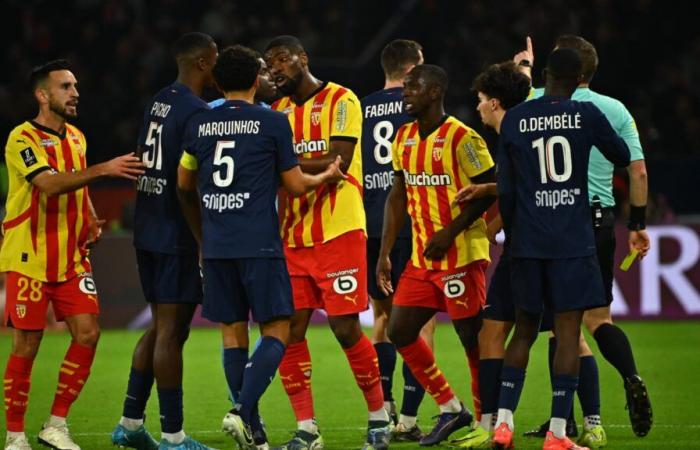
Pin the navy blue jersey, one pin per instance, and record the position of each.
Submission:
(239, 150)
(543, 175)
(159, 225)
(383, 115)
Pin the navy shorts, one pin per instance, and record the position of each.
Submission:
(559, 285)
(233, 288)
(169, 278)
(499, 299)
(400, 255)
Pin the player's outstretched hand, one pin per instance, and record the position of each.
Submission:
(471, 192)
(384, 276)
(438, 244)
(94, 231)
(639, 240)
(127, 166)
(333, 174)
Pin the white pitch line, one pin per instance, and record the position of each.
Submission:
(326, 429)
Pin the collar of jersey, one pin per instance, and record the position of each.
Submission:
(435, 127)
(311, 95)
(48, 130)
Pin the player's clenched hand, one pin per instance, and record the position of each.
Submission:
(94, 231)
(471, 192)
(333, 174)
(639, 240)
(438, 244)
(127, 166)
(492, 229)
(384, 275)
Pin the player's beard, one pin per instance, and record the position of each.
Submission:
(291, 85)
(61, 110)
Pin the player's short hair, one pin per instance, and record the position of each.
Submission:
(190, 43)
(236, 68)
(504, 82)
(291, 43)
(39, 74)
(586, 51)
(433, 74)
(564, 63)
(398, 54)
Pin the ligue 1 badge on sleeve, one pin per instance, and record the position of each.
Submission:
(21, 311)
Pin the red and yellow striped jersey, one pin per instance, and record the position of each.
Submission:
(332, 112)
(44, 236)
(434, 169)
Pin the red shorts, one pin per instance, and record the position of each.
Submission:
(461, 291)
(28, 300)
(330, 276)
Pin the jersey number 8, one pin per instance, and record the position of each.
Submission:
(381, 133)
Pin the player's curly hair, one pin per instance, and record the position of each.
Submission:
(504, 82)
(236, 68)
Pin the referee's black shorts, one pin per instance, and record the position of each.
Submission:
(605, 246)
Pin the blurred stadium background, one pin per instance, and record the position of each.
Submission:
(649, 59)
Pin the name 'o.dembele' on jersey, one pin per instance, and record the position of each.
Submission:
(383, 115)
(159, 225)
(545, 146)
(235, 147)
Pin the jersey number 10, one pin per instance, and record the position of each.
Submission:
(545, 152)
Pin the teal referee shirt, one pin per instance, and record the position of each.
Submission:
(600, 170)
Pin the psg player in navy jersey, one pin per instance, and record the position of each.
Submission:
(543, 188)
(266, 93)
(383, 114)
(166, 252)
(234, 158)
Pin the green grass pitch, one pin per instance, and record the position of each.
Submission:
(667, 354)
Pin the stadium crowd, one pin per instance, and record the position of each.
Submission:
(120, 51)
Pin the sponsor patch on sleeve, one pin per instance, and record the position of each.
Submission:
(28, 157)
(341, 115)
(472, 156)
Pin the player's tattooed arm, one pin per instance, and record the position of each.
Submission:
(53, 183)
(297, 182)
(189, 200)
(394, 217)
(638, 238)
(339, 146)
(442, 240)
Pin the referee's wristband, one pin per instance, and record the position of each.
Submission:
(638, 218)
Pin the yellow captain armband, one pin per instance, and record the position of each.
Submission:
(188, 161)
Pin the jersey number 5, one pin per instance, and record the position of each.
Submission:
(154, 155)
(224, 175)
(545, 151)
